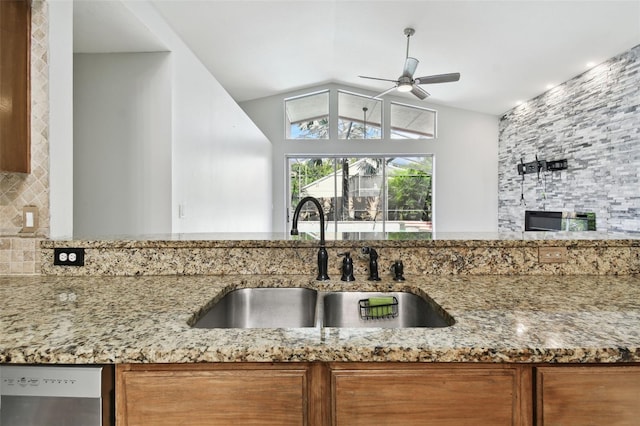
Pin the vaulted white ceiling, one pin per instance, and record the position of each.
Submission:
(505, 50)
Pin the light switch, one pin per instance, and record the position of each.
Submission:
(29, 219)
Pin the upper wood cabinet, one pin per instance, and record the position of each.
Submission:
(15, 100)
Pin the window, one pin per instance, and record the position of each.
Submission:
(411, 122)
(364, 194)
(361, 192)
(307, 116)
(359, 117)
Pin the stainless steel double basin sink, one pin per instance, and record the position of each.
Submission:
(303, 307)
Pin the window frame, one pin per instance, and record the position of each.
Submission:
(385, 200)
(287, 124)
(402, 104)
(333, 117)
(382, 115)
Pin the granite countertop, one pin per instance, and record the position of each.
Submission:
(345, 239)
(85, 320)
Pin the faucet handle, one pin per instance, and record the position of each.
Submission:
(373, 263)
(398, 270)
(347, 267)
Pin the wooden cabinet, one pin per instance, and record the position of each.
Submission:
(15, 36)
(377, 394)
(323, 394)
(591, 395)
(212, 394)
(396, 394)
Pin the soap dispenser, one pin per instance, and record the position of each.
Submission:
(347, 267)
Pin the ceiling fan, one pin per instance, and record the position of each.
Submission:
(406, 82)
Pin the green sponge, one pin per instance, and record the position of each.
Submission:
(380, 306)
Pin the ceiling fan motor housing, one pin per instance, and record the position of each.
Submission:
(405, 84)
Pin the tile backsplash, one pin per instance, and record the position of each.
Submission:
(20, 254)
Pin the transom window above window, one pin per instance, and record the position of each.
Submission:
(307, 116)
(411, 122)
(359, 117)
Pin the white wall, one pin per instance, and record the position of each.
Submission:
(221, 160)
(219, 166)
(61, 118)
(465, 152)
(122, 144)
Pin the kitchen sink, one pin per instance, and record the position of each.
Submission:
(392, 310)
(302, 307)
(263, 308)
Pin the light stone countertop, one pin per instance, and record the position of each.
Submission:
(346, 239)
(86, 320)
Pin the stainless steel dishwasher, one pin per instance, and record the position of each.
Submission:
(56, 395)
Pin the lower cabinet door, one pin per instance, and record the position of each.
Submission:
(269, 396)
(588, 396)
(425, 396)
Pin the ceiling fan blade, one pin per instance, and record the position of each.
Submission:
(419, 92)
(410, 65)
(376, 78)
(384, 93)
(440, 78)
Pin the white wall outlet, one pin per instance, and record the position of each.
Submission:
(552, 254)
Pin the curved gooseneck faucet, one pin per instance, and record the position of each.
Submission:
(323, 256)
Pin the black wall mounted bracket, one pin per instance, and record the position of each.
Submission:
(541, 166)
(557, 165)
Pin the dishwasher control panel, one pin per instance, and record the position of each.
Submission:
(81, 382)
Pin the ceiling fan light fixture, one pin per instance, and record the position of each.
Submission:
(406, 82)
(405, 87)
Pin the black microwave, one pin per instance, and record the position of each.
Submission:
(559, 221)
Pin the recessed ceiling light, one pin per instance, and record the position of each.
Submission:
(550, 86)
(519, 102)
(591, 64)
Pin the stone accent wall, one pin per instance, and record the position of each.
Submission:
(19, 254)
(593, 121)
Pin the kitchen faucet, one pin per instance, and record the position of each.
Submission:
(323, 256)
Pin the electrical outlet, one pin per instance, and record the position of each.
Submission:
(552, 254)
(68, 256)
